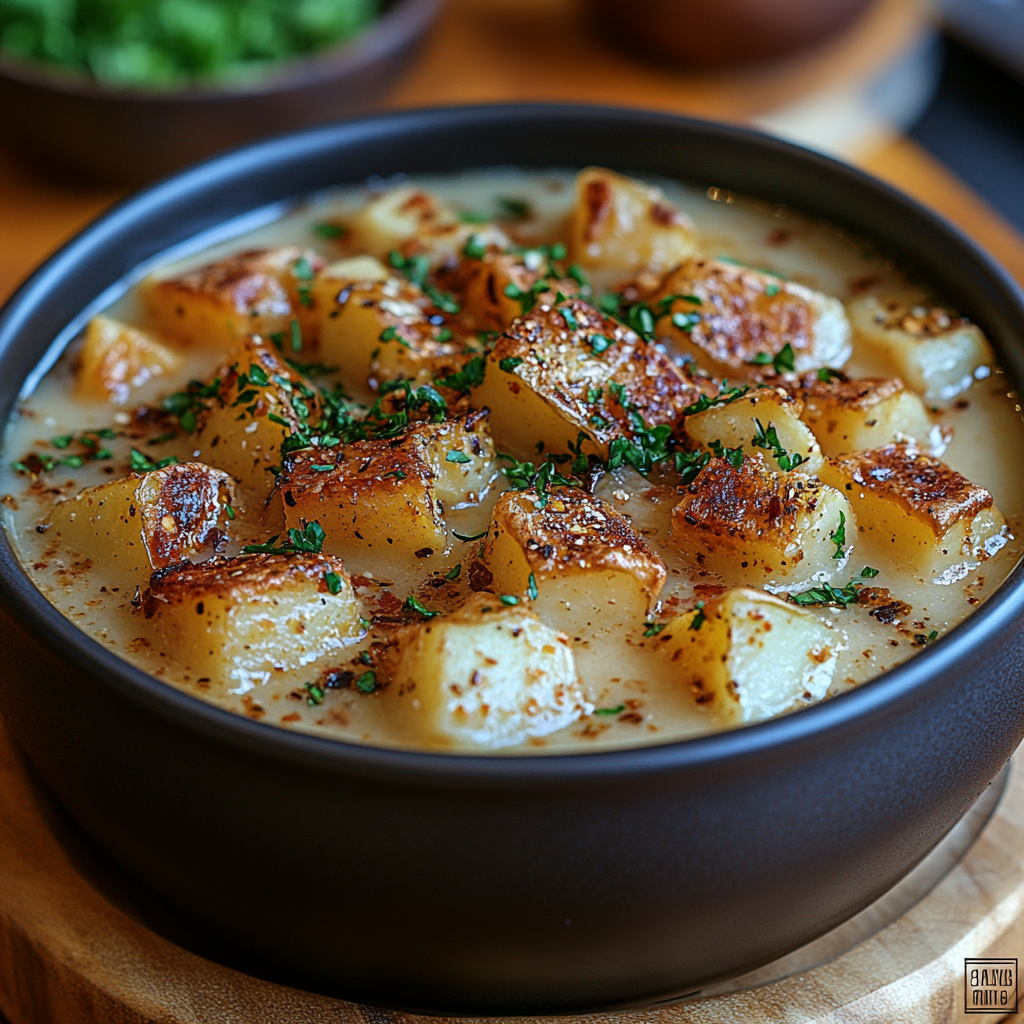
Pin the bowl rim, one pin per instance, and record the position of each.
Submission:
(822, 723)
(399, 22)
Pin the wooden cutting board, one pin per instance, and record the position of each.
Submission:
(74, 950)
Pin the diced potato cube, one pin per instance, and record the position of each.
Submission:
(487, 675)
(413, 221)
(744, 317)
(923, 513)
(379, 331)
(849, 415)
(390, 495)
(255, 292)
(621, 226)
(751, 525)
(483, 285)
(580, 560)
(565, 370)
(116, 358)
(235, 622)
(937, 354)
(130, 527)
(747, 656)
(754, 423)
(261, 401)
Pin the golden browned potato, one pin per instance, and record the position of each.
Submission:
(621, 227)
(747, 656)
(936, 353)
(116, 358)
(732, 320)
(375, 331)
(130, 527)
(765, 420)
(850, 415)
(923, 513)
(413, 221)
(566, 370)
(752, 525)
(579, 560)
(261, 401)
(259, 291)
(235, 623)
(488, 675)
(390, 495)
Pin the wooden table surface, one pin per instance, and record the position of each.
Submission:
(490, 50)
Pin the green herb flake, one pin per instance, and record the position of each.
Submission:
(415, 605)
(231, 512)
(513, 209)
(827, 374)
(296, 336)
(653, 628)
(453, 574)
(475, 248)
(333, 581)
(63, 441)
(469, 377)
(309, 539)
(468, 217)
(467, 539)
(785, 359)
(454, 456)
(509, 363)
(531, 588)
(771, 290)
(838, 536)
(868, 573)
(367, 682)
(610, 711)
(768, 437)
(699, 617)
(509, 599)
(329, 230)
(599, 343)
(685, 321)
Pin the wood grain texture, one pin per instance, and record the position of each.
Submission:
(68, 955)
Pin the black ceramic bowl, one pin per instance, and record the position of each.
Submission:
(82, 129)
(512, 884)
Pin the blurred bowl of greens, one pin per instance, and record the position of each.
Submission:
(125, 91)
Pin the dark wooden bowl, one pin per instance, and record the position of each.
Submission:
(713, 33)
(513, 884)
(69, 124)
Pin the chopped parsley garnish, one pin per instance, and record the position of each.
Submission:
(594, 394)
(725, 395)
(640, 318)
(302, 271)
(454, 456)
(469, 377)
(527, 299)
(784, 361)
(367, 682)
(525, 475)
(475, 248)
(312, 369)
(141, 463)
(827, 374)
(230, 510)
(771, 290)
(308, 540)
(699, 618)
(333, 581)
(734, 456)
(868, 573)
(689, 464)
(466, 538)
(575, 271)
(327, 229)
(685, 321)
(599, 343)
(610, 711)
(570, 318)
(513, 209)
(828, 595)
(509, 363)
(611, 304)
(296, 334)
(654, 628)
(63, 441)
(531, 588)
(316, 694)
(186, 405)
(453, 574)
(508, 599)
(468, 217)
(769, 438)
(388, 334)
(415, 605)
(838, 536)
(415, 268)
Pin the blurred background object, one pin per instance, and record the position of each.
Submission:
(994, 28)
(719, 33)
(126, 91)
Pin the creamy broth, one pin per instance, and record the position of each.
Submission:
(630, 684)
